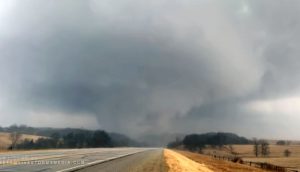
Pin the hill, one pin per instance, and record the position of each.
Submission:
(5, 141)
(71, 134)
(198, 141)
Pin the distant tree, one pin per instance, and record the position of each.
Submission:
(45, 143)
(287, 153)
(175, 143)
(231, 149)
(14, 137)
(26, 144)
(220, 140)
(56, 137)
(73, 139)
(101, 139)
(193, 142)
(265, 149)
(281, 142)
(13, 126)
(256, 147)
(80, 139)
(69, 140)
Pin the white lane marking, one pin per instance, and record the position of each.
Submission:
(98, 162)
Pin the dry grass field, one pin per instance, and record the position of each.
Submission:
(276, 156)
(5, 141)
(218, 165)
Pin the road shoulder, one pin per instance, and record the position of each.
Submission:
(218, 165)
(179, 163)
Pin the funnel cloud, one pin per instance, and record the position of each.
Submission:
(152, 67)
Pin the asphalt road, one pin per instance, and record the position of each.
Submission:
(69, 159)
(147, 161)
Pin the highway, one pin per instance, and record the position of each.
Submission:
(147, 161)
(65, 160)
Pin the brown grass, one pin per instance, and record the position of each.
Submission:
(276, 156)
(179, 163)
(219, 165)
(5, 141)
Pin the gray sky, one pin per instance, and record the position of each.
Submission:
(138, 67)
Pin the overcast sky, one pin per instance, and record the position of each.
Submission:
(136, 67)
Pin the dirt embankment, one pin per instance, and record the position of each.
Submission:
(179, 163)
(218, 165)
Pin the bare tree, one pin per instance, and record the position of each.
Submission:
(281, 142)
(231, 149)
(256, 147)
(14, 138)
(287, 153)
(265, 149)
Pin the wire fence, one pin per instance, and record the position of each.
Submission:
(262, 165)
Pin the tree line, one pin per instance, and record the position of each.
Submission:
(65, 138)
(195, 142)
(86, 139)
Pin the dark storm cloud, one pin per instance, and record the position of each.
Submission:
(147, 66)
